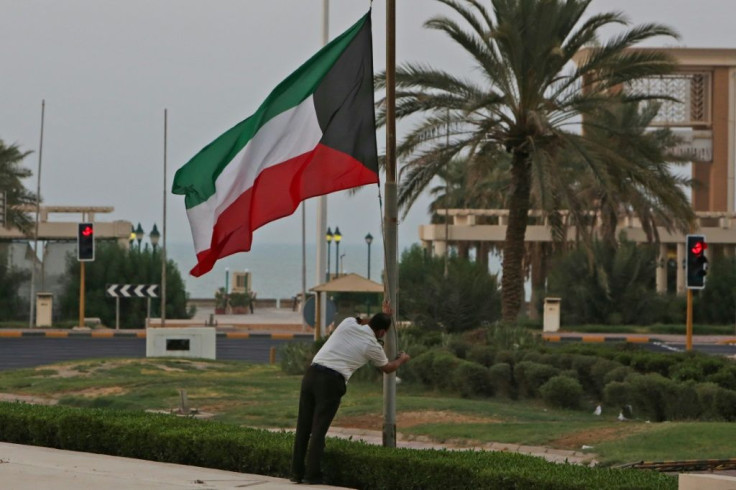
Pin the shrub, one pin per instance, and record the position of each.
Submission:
(685, 371)
(726, 404)
(507, 356)
(599, 372)
(583, 365)
(706, 393)
(502, 379)
(725, 377)
(346, 463)
(459, 347)
(482, 354)
(653, 395)
(684, 404)
(617, 374)
(296, 357)
(433, 368)
(648, 362)
(472, 379)
(617, 394)
(562, 391)
(529, 376)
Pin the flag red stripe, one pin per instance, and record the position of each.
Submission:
(320, 171)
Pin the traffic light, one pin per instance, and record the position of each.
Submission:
(696, 264)
(86, 242)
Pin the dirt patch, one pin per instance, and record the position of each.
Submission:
(95, 392)
(412, 419)
(591, 437)
(63, 371)
(33, 400)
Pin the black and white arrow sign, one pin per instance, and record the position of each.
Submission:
(132, 290)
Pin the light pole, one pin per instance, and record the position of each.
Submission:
(337, 236)
(139, 234)
(328, 237)
(155, 236)
(369, 240)
(131, 238)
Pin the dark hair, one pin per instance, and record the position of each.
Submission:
(380, 321)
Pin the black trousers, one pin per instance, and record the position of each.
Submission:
(319, 400)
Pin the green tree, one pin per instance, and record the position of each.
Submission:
(12, 307)
(466, 298)
(528, 100)
(114, 264)
(616, 287)
(717, 302)
(11, 183)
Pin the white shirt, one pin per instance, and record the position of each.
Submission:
(349, 347)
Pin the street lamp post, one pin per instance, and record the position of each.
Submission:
(155, 236)
(369, 240)
(139, 233)
(328, 237)
(337, 236)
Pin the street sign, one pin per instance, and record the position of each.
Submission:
(132, 290)
(308, 311)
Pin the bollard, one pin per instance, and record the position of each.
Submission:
(272, 355)
(183, 402)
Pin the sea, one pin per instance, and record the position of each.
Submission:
(276, 268)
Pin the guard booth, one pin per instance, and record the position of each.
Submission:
(44, 309)
(242, 282)
(551, 314)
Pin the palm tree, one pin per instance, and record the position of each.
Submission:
(639, 180)
(527, 99)
(11, 175)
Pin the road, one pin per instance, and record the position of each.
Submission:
(28, 352)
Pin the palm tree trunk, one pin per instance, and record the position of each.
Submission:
(512, 281)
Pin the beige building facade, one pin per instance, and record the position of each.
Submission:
(704, 116)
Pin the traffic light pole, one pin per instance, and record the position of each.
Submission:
(81, 294)
(689, 322)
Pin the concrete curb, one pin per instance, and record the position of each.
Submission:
(141, 334)
(638, 339)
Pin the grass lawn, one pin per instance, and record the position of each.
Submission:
(262, 396)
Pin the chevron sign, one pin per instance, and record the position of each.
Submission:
(132, 290)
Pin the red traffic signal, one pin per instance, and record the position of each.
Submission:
(86, 242)
(696, 264)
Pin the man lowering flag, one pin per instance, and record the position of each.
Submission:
(314, 134)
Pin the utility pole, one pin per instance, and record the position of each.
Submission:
(390, 223)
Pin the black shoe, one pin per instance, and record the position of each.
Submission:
(295, 479)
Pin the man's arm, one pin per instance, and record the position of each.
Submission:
(394, 365)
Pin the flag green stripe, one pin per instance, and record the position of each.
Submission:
(196, 179)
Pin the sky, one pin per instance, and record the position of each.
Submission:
(107, 70)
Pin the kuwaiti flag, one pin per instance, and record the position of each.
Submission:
(314, 134)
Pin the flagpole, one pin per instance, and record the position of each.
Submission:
(390, 224)
(38, 212)
(321, 313)
(163, 232)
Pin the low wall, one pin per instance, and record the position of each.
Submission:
(286, 303)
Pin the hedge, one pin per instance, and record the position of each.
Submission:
(358, 465)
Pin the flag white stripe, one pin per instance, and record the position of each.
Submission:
(288, 135)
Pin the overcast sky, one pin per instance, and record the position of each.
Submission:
(107, 69)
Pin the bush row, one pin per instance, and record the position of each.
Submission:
(352, 464)
(698, 387)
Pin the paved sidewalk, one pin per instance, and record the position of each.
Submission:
(40, 468)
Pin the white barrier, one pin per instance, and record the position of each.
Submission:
(193, 342)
